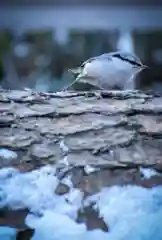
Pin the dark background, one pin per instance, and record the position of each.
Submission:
(40, 40)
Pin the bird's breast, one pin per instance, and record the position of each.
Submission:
(98, 69)
(107, 74)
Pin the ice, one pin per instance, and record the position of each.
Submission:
(130, 212)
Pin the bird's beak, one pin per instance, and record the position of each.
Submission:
(144, 66)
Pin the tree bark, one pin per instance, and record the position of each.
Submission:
(119, 129)
(116, 132)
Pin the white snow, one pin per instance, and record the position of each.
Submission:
(64, 162)
(7, 154)
(148, 172)
(64, 147)
(89, 169)
(131, 212)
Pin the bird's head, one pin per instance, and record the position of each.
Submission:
(128, 61)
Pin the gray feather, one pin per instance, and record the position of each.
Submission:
(78, 70)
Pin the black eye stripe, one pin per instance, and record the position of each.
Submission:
(127, 60)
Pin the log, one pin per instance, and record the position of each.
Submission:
(104, 136)
(121, 129)
(116, 129)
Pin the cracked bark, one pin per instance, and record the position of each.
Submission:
(118, 133)
(121, 129)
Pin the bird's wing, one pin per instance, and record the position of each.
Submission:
(105, 56)
(79, 69)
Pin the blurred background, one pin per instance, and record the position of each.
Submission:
(40, 40)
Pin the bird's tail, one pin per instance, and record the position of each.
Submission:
(75, 70)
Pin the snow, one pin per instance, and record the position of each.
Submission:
(131, 212)
(148, 172)
(7, 154)
(7, 233)
(64, 147)
(89, 169)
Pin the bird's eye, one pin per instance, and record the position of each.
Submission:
(117, 55)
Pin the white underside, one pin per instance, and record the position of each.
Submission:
(106, 74)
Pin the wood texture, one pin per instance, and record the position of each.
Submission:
(117, 129)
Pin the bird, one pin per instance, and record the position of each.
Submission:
(109, 71)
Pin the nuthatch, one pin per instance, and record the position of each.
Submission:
(114, 70)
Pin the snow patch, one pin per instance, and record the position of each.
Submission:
(89, 169)
(7, 154)
(149, 172)
(64, 147)
(131, 212)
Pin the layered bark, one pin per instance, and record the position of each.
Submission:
(118, 130)
(115, 132)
